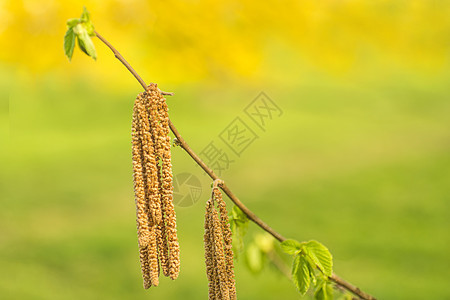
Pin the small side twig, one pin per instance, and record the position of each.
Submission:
(253, 217)
(350, 287)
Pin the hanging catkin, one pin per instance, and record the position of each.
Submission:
(218, 249)
(152, 174)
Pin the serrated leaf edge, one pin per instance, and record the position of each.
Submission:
(318, 260)
(69, 52)
(300, 264)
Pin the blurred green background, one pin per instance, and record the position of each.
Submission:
(359, 160)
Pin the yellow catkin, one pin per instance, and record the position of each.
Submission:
(171, 231)
(150, 167)
(139, 181)
(163, 249)
(220, 257)
(218, 251)
(208, 240)
(155, 108)
(145, 266)
(161, 131)
(161, 234)
(153, 258)
(228, 247)
(147, 248)
(153, 186)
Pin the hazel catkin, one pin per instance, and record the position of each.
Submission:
(153, 189)
(208, 239)
(228, 247)
(218, 250)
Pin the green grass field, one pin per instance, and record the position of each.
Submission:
(363, 167)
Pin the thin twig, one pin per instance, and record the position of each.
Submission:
(350, 287)
(183, 144)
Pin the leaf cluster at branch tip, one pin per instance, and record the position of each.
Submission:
(309, 257)
(80, 30)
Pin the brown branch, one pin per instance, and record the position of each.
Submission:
(350, 287)
(183, 144)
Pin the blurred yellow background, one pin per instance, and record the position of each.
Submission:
(177, 40)
(359, 160)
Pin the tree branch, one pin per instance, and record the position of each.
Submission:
(350, 287)
(183, 144)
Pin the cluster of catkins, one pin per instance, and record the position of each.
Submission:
(218, 248)
(152, 171)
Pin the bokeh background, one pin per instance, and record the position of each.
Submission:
(359, 160)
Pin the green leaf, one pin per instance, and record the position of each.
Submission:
(84, 41)
(312, 274)
(90, 28)
(86, 20)
(320, 256)
(301, 274)
(85, 15)
(239, 231)
(345, 296)
(291, 247)
(69, 43)
(73, 22)
(239, 226)
(238, 214)
(324, 291)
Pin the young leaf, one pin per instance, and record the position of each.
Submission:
(69, 43)
(84, 41)
(90, 28)
(324, 291)
(345, 296)
(238, 214)
(301, 274)
(73, 22)
(291, 247)
(320, 256)
(86, 20)
(312, 273)
(239, 230)
(239, 226)
(85, 15)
